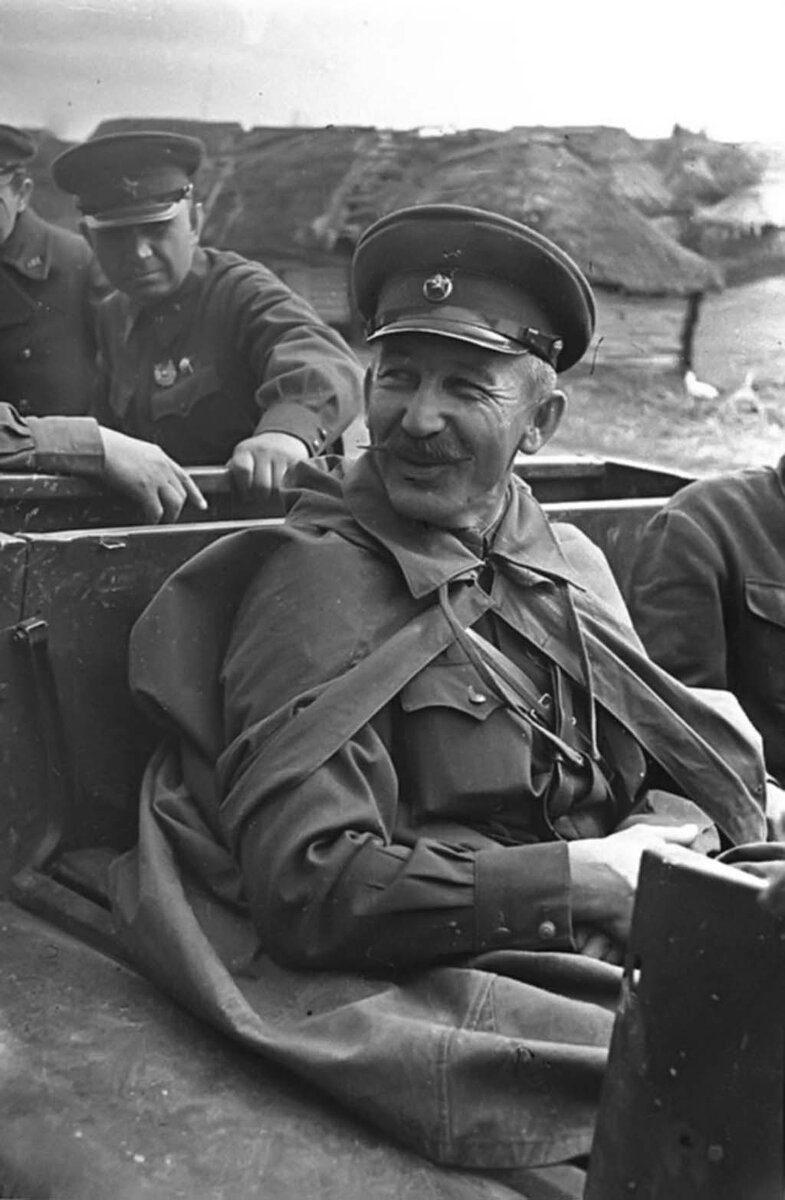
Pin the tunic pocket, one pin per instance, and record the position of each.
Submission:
(766, 600)
(763, 640)
(449, 685)
(458, 754)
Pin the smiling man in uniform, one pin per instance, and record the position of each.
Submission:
(393, 837)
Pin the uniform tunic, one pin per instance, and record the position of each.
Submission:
(708, 593)
(49, 287)
(338, 789)
(234, 352)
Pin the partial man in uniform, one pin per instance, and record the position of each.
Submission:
(708, 594)
(49, 288)
(204, 353)
(394, 835)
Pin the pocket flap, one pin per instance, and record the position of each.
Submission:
(766, 600)
(449, 685)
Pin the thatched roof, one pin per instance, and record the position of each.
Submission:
(751, 210)
(305, 194)
(283, 188)
(546, 186)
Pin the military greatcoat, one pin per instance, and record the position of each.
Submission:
(352, 856)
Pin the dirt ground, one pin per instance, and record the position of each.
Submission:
(641, 411)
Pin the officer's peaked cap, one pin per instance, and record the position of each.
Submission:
(474, 276)
(129, 178)
(16, 147)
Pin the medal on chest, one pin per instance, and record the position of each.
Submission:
(164, 373)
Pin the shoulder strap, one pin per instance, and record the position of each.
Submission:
(299, 738)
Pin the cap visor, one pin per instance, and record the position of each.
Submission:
(148, 214)
(458, 332)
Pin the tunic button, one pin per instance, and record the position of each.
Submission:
(27, 352)
(546, 931)
(476, 697)
(24, 407)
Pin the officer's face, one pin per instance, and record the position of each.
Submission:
(446, 420)
(13, 200)
(148, 262)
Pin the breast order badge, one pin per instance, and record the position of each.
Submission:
(165, 373)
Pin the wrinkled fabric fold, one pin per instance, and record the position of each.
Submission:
(466, 1066)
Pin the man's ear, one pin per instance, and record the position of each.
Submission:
(544, 423)
(367, 381)
(24, 194)
(197, 220)
(87, 232)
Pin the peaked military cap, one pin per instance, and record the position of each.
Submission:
(129, 178)
(16, 147)
(474, 276)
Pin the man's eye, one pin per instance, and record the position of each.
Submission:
(392, 376)
(468, 388)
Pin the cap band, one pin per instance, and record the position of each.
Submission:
(492, 332)
(468, 306)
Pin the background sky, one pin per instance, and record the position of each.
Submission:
(399, 63)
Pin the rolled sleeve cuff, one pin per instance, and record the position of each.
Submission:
(297, 421)
(522, 898)
(70, 445)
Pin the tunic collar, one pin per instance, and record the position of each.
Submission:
(29, 248)
(429, 556)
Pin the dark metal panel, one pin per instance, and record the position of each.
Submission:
(15, 716)
(692, 1103)
(89, 588)
(110, 1090)
(37, 503)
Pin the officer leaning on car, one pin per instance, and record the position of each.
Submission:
(204, 356)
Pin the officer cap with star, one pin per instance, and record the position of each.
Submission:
(474, 276)
(16, 148)
(129, 178)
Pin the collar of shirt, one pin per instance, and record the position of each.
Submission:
(429, 556)
(29, 248)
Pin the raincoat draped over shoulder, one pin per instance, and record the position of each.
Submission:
(491, 1062)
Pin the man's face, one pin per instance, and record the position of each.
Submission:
(13, 200)
(446, 420)
(148, 262)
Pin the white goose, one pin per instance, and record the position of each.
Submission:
(697, 390)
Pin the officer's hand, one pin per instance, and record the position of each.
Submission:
(604, 874)
(149, 476)
(775, 811)
(595, 943)
(259, 463)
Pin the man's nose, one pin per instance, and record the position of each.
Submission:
(139, 245)
(423, 414)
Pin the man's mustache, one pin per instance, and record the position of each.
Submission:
(427, 452)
